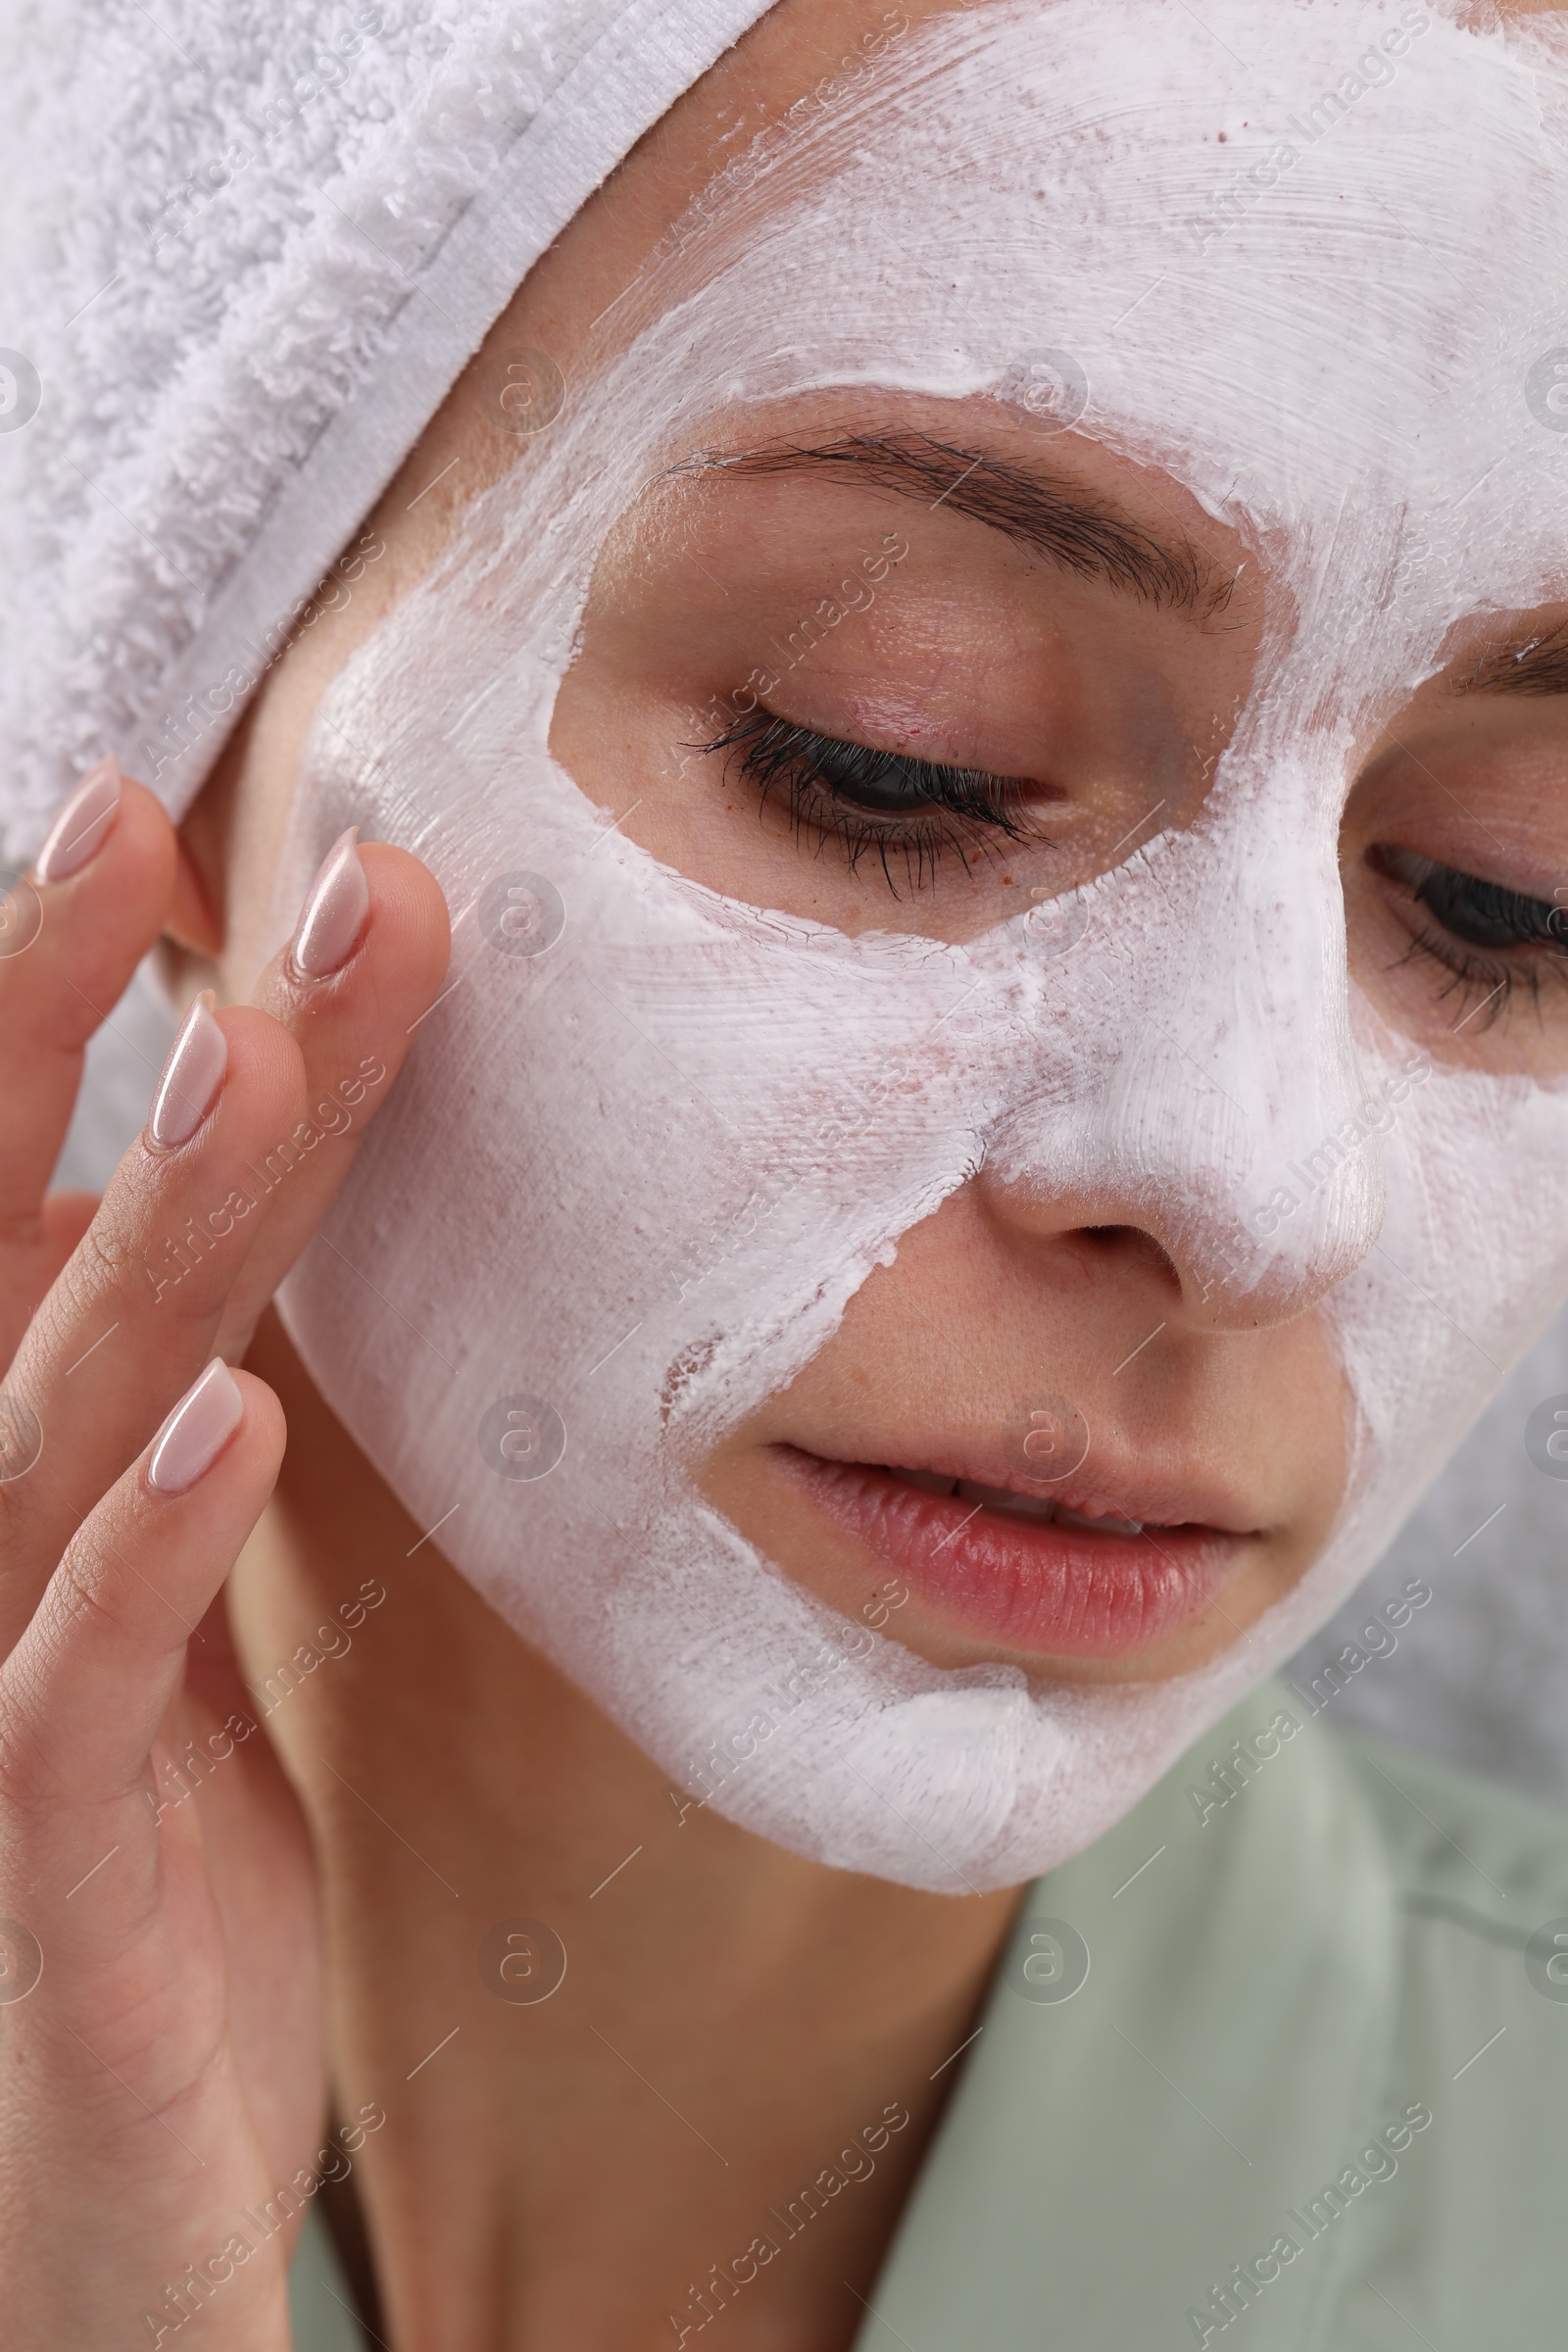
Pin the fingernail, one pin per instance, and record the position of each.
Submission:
(192, 1076)
(196, 1431)
(333, 915)
(83, 825)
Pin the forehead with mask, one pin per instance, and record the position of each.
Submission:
(1142, 440)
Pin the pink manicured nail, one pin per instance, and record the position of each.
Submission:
(333, 915)
(82, 824)
(192, 1076)
(196, 1431)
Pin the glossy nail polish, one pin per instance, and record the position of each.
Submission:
(334, 914)
(192, 1076)
(196, 1431)
(83, 825)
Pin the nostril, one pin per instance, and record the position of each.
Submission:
(1133, 1242)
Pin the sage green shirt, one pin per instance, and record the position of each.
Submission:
(1281, 2061)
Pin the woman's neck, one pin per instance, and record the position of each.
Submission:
(720, 2108)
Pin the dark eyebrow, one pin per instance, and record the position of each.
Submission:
(1087, 536)
(1522, 665)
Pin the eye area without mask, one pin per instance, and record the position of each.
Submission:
(914, 649)
(1523, 938)
(902, 809)
(1455, 860)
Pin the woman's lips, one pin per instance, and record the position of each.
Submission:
(1026, 1571)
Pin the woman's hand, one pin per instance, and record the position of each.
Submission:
(161, 2038)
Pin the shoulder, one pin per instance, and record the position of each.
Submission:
(1460, 1847)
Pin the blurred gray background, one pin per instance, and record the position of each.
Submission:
(1479, 1676)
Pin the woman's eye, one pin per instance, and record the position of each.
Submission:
(1489, 938)
(865, 798)
(1484, 915)
(886, 782)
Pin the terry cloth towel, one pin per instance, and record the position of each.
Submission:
(245, 250)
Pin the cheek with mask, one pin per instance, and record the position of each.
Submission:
(657, 1138)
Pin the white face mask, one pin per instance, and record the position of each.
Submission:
(579, 1194)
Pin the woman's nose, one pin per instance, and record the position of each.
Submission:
(1216, 1105)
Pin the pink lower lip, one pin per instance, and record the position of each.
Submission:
(1059, 1590)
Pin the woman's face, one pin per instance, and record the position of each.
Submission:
(1000, 769)
(910, 667)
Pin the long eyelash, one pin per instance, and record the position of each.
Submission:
(1526, 923)
(971, 807)
(1483, 980)
(1480, 980)
(1475, 979)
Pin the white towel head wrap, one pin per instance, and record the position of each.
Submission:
(244, 253)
